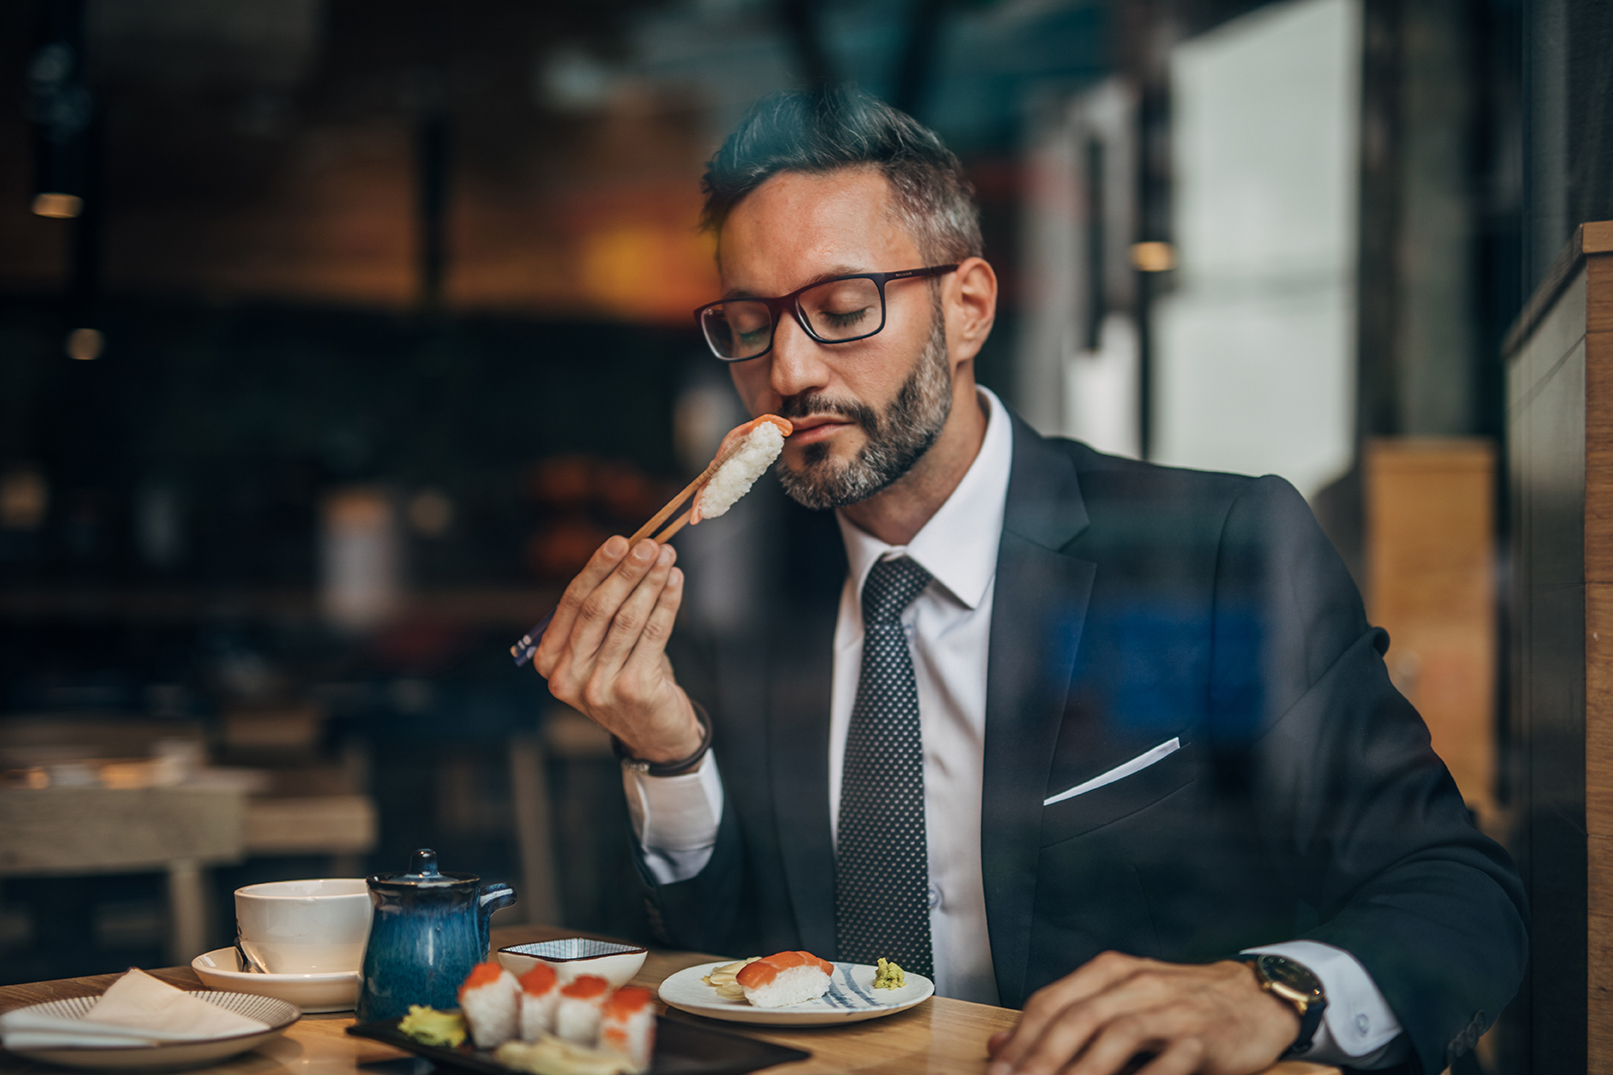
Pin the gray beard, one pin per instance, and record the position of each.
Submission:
(897, 439)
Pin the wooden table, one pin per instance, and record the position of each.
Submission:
(939, 1037)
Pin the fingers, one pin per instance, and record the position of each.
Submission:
(1123, 1038)
(598, 568)
(632, 618)
(592, 610)
(1194, 1017)
(1050, 1004)
(650, 651)
(1181, 1057)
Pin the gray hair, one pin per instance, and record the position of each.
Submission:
(823, 131)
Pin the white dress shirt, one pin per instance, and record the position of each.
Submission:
(949, 623)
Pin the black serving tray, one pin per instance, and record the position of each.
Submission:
(680, 1049)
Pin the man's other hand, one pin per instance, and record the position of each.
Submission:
(605, 651)
(1212, 1019)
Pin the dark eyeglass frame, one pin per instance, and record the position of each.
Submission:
(791, 304)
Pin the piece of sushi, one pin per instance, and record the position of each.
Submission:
(582, 1000)
(491, 1001)
(628, 1025)
(785, 978)
(763, 440)
(540, 994)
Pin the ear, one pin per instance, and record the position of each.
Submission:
(971, 308)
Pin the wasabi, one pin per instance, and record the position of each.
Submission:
(889, 976)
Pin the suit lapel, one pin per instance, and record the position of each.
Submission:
(800, 683)
(1038, 609)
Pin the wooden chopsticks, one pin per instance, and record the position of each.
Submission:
(672, 505)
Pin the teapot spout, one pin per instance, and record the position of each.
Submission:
(493, 898)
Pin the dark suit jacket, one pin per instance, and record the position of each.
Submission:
(1133, 604)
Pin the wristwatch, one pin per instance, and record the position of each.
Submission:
(1290, 981)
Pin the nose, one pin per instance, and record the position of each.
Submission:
(797, 360)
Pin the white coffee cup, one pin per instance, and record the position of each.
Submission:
(305, 927)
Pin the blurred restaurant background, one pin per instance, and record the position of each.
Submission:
(335, 334)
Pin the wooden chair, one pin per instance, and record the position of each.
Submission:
(74, 831)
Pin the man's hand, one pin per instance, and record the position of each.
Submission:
(605, 651)
(1212, 1019)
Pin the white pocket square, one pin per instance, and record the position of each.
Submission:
(1119, 772)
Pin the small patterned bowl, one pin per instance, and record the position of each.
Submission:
(572, 957)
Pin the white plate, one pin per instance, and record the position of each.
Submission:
(168, 1056)
(332, 991)
(851, 998)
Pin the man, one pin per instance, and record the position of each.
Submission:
(1066, 731)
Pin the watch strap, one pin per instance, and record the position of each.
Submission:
(1309, 1021)
(668, 768)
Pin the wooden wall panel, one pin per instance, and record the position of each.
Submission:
(1599, 435)
(1597, 241)
(1599, 991)
(1560, 445)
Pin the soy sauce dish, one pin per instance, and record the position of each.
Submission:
(572, 957)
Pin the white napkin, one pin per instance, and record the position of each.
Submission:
(137, 1009)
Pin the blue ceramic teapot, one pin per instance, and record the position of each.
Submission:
(429, 929)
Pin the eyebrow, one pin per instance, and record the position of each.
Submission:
(841, 270)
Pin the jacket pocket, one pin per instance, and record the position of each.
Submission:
(1119, 791)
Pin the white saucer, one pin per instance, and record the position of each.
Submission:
(169, 1055)
(851, 998)
(328, 992)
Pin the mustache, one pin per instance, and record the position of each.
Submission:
(808, 404)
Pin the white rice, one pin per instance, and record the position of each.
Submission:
(632, 1036)
(734, 478)
(792, 985)
(537, 1013)
(577, 1019)
(493, 1011)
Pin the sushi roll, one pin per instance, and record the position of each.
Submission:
(540, 993)
(491, 1001)
(576, 1017)
(628, 1026)
(786, 978)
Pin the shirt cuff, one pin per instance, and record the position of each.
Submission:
(1358, 1027)
(675, 818)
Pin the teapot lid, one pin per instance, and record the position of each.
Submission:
(423, 871)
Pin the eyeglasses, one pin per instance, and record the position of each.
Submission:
(838, 310)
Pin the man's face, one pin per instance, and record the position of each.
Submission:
(865, 411)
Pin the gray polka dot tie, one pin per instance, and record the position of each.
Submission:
(882, 871)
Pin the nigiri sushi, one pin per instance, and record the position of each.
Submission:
(491, 1001)
(540, 993)
(763, 440)
(576, 1017)
(628, 1026)
(785, 978)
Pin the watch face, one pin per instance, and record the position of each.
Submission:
(1286, 972)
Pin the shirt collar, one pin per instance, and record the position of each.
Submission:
(958, 546)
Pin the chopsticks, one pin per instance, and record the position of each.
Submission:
(672, 505)
(527, 647)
